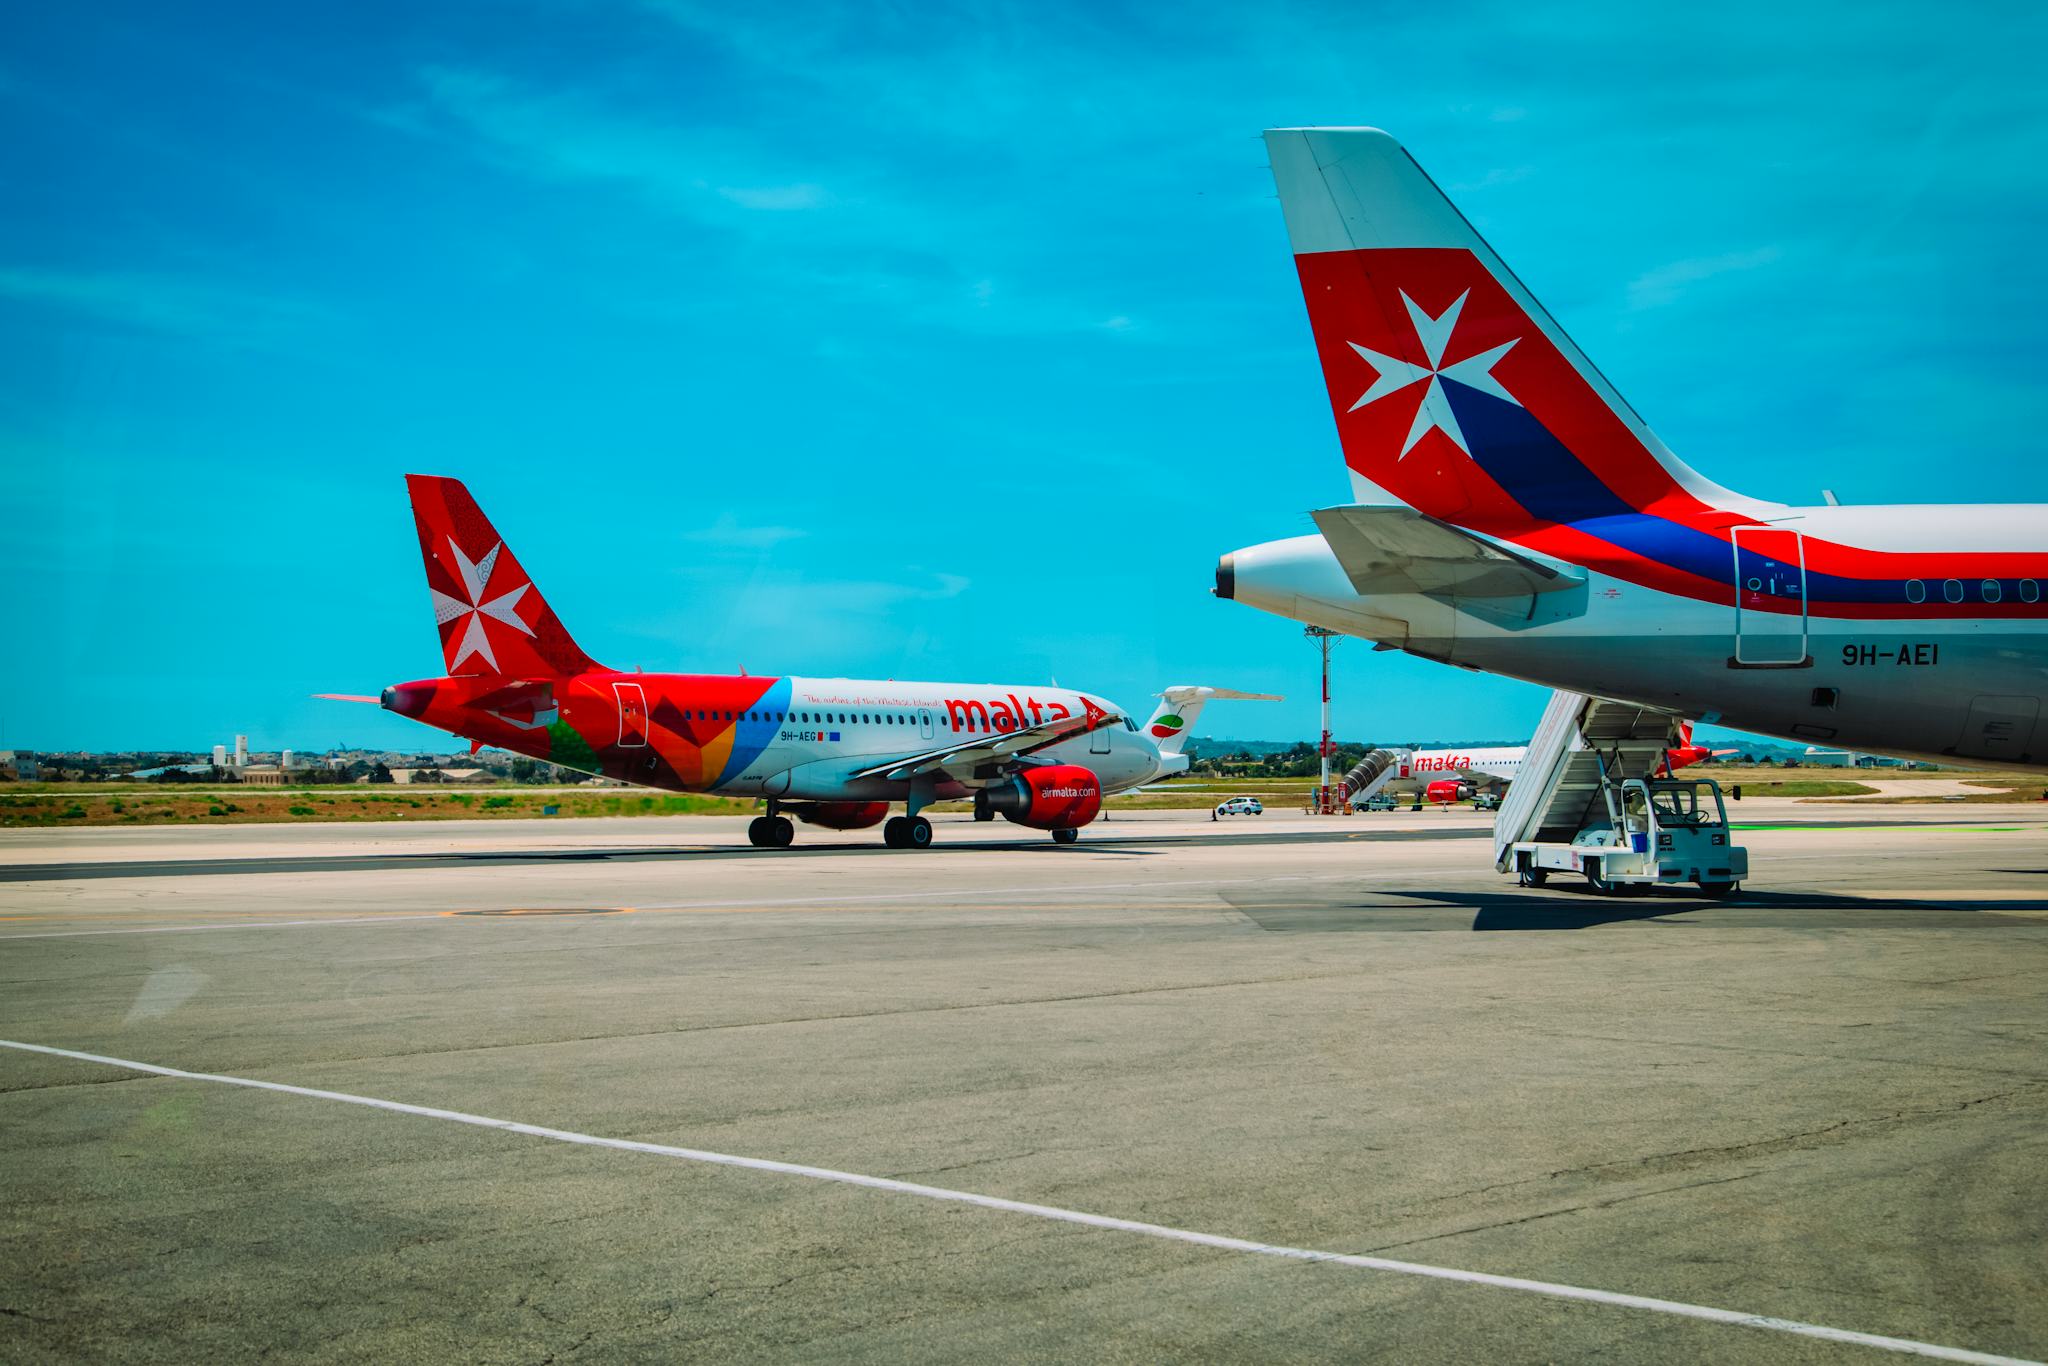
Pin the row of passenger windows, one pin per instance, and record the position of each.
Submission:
(849, 718)
(1989, 590)
(852, 718)
(806, 718)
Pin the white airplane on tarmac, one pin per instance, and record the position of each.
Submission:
(1452, 775)
(834, 752)
(1514, 515)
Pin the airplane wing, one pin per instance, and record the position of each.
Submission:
(962, 757)
(1400, 550)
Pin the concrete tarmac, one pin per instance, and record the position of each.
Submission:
(1824, 1100)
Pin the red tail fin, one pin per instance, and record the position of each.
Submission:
(493, 620)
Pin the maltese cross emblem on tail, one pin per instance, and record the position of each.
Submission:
(1394, 375)
(476, 580)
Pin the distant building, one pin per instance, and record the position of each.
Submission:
(285, 759)
(220, 756)
(22, 761)
(241, 751)
(1845, 758)
(263, 775)
(448, 775)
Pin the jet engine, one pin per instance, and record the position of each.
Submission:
(839, 815)
(1445, 791)
(1056, 797)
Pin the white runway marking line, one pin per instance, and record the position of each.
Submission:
(1678, 1308)
(735, 904)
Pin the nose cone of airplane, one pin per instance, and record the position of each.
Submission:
(407, 699)
(1226, 577)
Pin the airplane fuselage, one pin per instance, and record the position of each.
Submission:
(1955, 668)
(780, 737)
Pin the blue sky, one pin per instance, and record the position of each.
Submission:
(910, 340)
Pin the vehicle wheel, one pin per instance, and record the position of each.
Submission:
(1715, 891)
(1596, 877)
(757, 833)
(918, 832)
(1065, 836)
(892, 832)
(1532, 876)
(781, 832)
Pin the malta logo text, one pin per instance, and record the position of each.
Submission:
(1001, 713)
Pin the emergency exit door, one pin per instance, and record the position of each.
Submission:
(1770, 597)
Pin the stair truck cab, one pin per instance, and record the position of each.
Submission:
(1659, 831)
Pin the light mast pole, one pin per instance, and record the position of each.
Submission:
(1322, 636)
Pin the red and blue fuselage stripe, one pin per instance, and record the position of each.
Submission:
(1556, 489)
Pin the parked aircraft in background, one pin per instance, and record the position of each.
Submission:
(834, 752)
(1455, 775)
(1513, 514)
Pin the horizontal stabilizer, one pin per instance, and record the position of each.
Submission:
(1400, 550)
(1186, 692)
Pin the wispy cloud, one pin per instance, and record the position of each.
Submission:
(164, 303)
(727, 533)
(1664, 285)
(776, 198)
(566, 133)
(856, 217)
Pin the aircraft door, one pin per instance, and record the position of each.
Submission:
(924, 723)
(1770, 597)
(632, 715)
(1098, 739)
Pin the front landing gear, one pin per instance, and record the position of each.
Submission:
(907, 832)
(771, 832)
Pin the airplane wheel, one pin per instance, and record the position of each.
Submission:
(1715, 891)
(781, 832)
(918, 832)
(757, 833)
(1065, 836)
(892, 833)
(982, 813)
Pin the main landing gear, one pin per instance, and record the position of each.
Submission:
(1066, 836)
(771, 832)
(907, 832)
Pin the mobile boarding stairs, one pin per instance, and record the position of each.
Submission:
(1590, 800)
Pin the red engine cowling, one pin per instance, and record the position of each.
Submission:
(1056, 797)
(841, 815)
(1445, 791)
